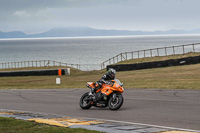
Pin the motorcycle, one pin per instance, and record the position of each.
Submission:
(109, 95)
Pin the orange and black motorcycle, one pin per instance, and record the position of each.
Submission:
(109, 95)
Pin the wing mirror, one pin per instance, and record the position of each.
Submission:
(121, 84)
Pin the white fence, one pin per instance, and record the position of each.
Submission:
(37, 63)
(164, 51)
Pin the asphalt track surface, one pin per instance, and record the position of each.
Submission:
(171, 108)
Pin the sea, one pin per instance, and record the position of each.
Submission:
(85, 50)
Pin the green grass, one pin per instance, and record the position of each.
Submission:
(10, 125)
(178, 77)
(77, 79)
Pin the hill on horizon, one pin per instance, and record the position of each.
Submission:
(87, 31)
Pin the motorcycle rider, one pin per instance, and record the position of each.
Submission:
(110, 75)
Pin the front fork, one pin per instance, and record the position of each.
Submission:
(92, 95)
(114, 96)
(90, 92)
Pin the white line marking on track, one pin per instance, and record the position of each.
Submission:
(141, 124)
(132, 123)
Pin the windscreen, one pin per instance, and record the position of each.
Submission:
(117, 80)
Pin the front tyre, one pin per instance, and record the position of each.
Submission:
(85, 103)
(116, 102)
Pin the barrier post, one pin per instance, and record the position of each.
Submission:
(151, 52)
(59, 72)
(165, 51)
(193, 48)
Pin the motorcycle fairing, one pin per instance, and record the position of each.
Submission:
(108, 89)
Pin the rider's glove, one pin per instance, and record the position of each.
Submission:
(106, 82)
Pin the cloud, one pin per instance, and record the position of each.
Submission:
(41, 15)
(10, 9)
(21, 14)
(34, 5)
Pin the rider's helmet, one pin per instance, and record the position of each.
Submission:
(111, 73)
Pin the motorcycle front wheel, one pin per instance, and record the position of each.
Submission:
(84, 102)
(115, 103)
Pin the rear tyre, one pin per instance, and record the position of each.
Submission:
(84, 102)
(115, 104)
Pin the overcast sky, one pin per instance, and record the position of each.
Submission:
(34, 16)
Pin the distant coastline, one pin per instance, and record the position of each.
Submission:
(80, 32)
(82, 37)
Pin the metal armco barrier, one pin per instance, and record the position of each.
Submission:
(156, 64)
(36, 73)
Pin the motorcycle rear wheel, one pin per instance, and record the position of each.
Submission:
(85, 104)
(117, 103)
